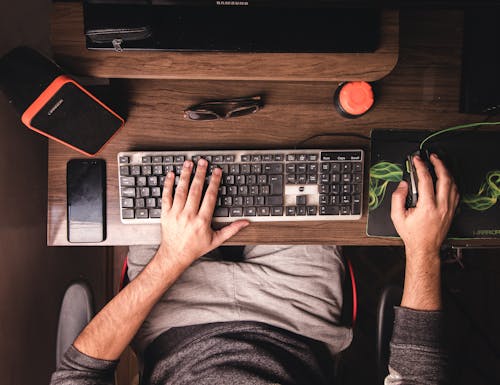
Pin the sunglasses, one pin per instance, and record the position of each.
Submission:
(224, 109)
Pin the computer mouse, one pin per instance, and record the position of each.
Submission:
(412, 177)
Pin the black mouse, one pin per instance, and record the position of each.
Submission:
(412, 178)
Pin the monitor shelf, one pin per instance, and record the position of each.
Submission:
(68, 43)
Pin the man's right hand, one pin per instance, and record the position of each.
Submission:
(424, 228)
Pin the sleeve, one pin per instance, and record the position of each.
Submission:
(77, 368)
(417, 355)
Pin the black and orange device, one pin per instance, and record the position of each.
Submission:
(52, 104)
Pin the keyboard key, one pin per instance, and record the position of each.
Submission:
(240, 180)
(234, 169)
(345, 210)
(312, 179)
(276, 183)
(273, 168)
(153, 181)
(179, 159)
(232, 190)
(245, 158)
(128, 192)
(256, 168)
(168, 159)
(155, 213)
(124, 159)
(262, 179)
(158, 170)
(324, 179)
(124, 170)
(147, 170)
(127, 181)
(140, 203)
(229, 158)
(141, 213)
(329, 210)
(141, 181)
(324, 189)
(146, 159)
(145, 192)
(249, 201)
(301, 179)
(245, 169)
(335, 167)
(325, 167)
(357, 166)
(256, 158)
(263, 211)
(250, 211)
(156, 192)
(265, 190)
(312, 210)
(135, 170)
(312, 168)
(259, 200)
(290, 157)
(279, 157)
(301, 210)
(127, 202)
(227, 201)
(156, 159)
(236, 211)
(277, 211)
(128, 214)
(346, 167)
(243, 190)
(221, 212)
(238, 201)
(301, 168)
(300, 200)
(290, 211)
(151, 203)
(290, 168)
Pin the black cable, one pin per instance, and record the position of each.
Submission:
(359, 136)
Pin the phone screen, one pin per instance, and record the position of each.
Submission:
(86, 192)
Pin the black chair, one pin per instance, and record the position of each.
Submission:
(390, 297)
(76, 312)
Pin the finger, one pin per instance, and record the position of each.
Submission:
(208, 204)
(227, 232)
(196, 189)
(425, 184)
(398, 209)
(444, 182)
(168, 191)
(182, 188)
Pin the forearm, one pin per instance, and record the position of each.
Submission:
(109, 333)
(422, 287)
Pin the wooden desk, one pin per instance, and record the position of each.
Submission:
(422, 92)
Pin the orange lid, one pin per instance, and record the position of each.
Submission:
(356, 98)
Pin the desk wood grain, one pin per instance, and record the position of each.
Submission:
(421, 93)
(68, 43)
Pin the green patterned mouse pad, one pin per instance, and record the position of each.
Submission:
(473, 158)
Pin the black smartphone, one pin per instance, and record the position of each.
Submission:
(86, 199)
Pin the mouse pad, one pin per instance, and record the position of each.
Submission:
(472, 157)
